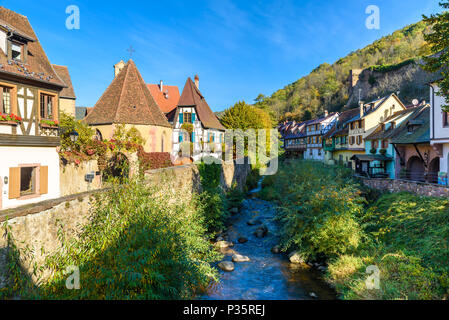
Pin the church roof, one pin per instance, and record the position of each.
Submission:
(127, 100)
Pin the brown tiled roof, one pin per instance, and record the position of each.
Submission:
(127, 100)
(192, 97)
(38, 66)
(167, 99)
(63, 73)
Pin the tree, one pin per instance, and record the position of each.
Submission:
(244, 116)
(439, 44)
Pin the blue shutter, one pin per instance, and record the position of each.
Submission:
(180, 137)
(181, 118)
(193, 137)
(193, 117)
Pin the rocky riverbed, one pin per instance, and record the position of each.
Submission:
(253, 268)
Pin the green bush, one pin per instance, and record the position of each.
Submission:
(139, 245)
(318, 209)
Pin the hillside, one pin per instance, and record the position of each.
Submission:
(390, 64)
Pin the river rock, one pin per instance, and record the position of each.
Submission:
(223, 244)
(254, 222)
(227, 266)
(296, 258)
(322, 268)
(240, 258)
(234, 210)
(243, 240)
(276, 250)
(261, 231)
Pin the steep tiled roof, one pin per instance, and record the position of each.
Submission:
(192, 97)
(63, 73)
(421, 134)
(379, 133)
(167, 99)
(127, 100)
(38, 66)
(341, 127)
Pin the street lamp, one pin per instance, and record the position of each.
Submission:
(74, 136)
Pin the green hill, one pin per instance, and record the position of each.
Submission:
(329, 87)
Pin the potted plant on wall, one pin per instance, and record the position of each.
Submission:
(10, 119)
(383, 152)
(373, 151)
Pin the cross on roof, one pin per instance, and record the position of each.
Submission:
(131, 51)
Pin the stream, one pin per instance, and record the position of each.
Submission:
(266, 276)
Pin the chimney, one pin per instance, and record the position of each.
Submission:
(161, 86)
(118, 67)
(362, 111)
(197, 82)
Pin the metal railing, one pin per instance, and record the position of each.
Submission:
(419, 176)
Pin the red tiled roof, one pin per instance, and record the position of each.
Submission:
(168, 99)
(38, 66)
(63, 73)
(127, 100)
(192, 97)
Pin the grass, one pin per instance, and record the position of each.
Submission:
(328, 216)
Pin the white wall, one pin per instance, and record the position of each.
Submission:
(3, 41)
(11, 157)
(437, 131)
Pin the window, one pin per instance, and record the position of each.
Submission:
(46, 107)
(445, 119)
(351, 140)
(187, 117)
(98, 135)
(375, 144)
(359, 139)
(5, 100)
(385, 144)
(27, 181)
(16, 50)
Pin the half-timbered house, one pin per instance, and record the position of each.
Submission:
(29, 107)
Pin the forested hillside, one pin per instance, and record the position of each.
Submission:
(330, 87)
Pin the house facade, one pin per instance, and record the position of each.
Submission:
(336, 140)
(295, 140)
(370, 116)
(128, 101)
(29, 111)
(419, 161)
(67, 97)
(439, 131)
(315, 130)
(207, 133)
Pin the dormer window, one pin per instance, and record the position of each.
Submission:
(17, 51)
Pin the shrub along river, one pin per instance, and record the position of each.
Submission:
(267, 275)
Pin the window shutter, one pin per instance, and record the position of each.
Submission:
(193, 117)
(43, 180)
(14, 183)
(193, 137)
(180, 137)
(181, 118)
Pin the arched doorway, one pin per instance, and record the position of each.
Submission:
(98, 135)
(434, 169)
(415, 169)
(118, 167)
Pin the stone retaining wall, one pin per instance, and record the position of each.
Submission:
(419, 188)
(38, 226)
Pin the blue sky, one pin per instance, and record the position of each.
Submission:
(238, 48)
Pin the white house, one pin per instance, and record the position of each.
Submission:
(314, 136)
(208, 133)
(439, 131)
(29, 107)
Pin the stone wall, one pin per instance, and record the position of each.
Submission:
(38, 226)
(73, 178)
(419, 188)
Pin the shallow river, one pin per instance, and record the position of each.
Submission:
(267, 276)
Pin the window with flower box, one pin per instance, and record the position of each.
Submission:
(48, 109)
